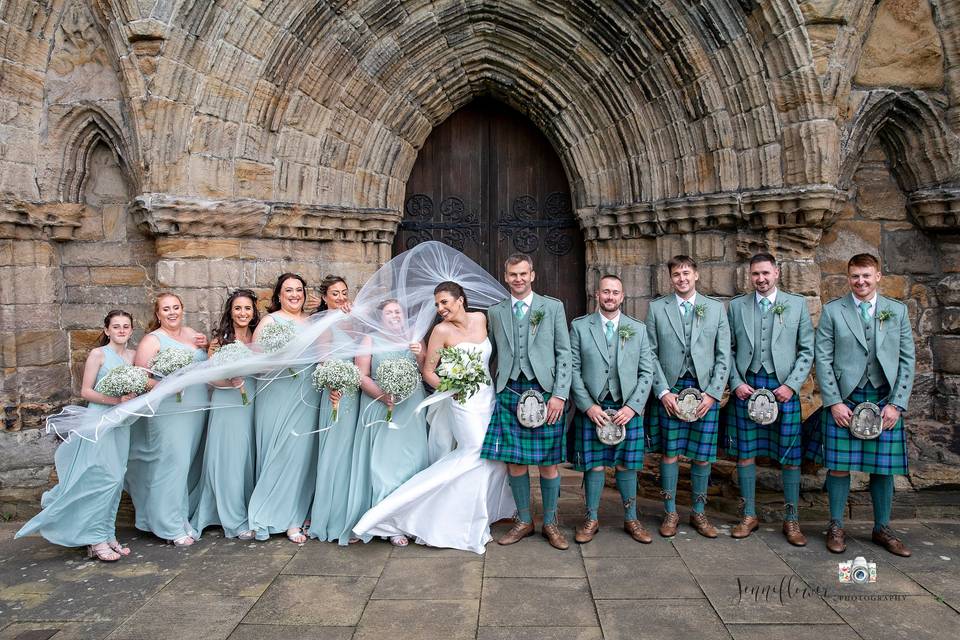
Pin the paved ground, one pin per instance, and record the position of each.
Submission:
(687, 588)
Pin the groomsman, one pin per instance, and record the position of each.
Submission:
(532, 346)
(612, 370)
(772, 349)
(864, 353)
(690, 338)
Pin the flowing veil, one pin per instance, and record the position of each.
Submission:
(409, 279)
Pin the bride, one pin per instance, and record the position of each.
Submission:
(453, 502)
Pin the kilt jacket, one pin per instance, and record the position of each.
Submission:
(791, 344)
(841, 350)
(591, 361)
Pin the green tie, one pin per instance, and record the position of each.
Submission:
(686, 306)
(608, 332)
(518, 309)
(865, 311)
(764, 304)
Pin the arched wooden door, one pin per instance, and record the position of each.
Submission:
(488, 183)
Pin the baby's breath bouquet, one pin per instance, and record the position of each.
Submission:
(168, 360)
(337, 375)
(233, 352)
(122, 380)
(399, 377)
(275, 336)
(461, 371)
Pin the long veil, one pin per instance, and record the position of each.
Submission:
(408, 279)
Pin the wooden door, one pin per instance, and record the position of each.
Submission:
(488, 183)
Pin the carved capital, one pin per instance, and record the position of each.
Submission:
(936, 209)
(635, 220)
(792, 208)
(24, 220)
(165, 215)
(700, 213)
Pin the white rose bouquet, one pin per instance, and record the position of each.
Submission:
(337, 375)
(275, 336)
(399, 377)
(169, 360)
(233, 352)
(462, 372)
(122, 380)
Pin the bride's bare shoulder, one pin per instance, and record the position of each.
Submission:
(478, 316)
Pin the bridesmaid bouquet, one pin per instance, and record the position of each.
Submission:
(399, 377)
(338, 375)
(275, 336)
(462, 372)
(169, 360)
(122, 380)
(233, 352)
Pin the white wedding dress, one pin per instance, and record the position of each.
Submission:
(452, 502)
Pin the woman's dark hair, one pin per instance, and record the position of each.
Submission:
(104, 340)
(328, 281)
(224, 333)
(453, 289)
(275, 298)
(155, 321)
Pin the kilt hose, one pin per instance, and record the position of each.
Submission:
(508, 441)
(674, 437)
(779, 440)
(588, 452)
(837, 450)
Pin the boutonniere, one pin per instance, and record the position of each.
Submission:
(700, 310)
(625, 334)
(535, 319)
(886, 314)
(778, 310)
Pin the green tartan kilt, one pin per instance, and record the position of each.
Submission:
(587, 452)
(840, 451)
(780, 440)
(673, 437)
(508, 441)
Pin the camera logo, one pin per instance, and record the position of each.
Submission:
(857, 571)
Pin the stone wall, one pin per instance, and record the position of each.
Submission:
(200, 146)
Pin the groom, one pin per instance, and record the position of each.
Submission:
(530, 339)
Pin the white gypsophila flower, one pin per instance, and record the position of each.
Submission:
(232, 352)
(276, 335)
(170, 359)
(339, 375)
(122, 380)
(398, 377)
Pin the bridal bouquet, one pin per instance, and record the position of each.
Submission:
(169, 360)
(462, 372)
(337, 375)
(122, 380)
(399, 377)
(275, 336)
(233, 352)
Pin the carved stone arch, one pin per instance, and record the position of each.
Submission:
(88, 127)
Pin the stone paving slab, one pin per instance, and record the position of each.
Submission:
(180, 615)
(534, 602)
(289, 632)
(726, 556)
(57, 631)
(543, 633)
(793, 631)
(534, 558)
(430, 579)
(914, 617)
(316, 559)
(333, 601)
(630, 578)
(613, 542)
(415, 619)
(658, 619)
(765, 599)
(211, 575)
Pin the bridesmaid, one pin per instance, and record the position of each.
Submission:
(227, 480)
(385, 458)
(165, 448)
(82, 508)
(329, 519)
(286, 463)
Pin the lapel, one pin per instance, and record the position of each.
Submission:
(778, 320)
(697, 323)
(747, 311)
(880, 334)
(506, 321)
(851, 316)
(673, 314)
(535, 305)
(596, 328)
(625, 354)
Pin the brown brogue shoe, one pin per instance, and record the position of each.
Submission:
(636, 531)
(518, 532)
(668, 528)
(555, 537)
(745, 527)
(836, 538)
(700, 522)
(586, 530)
(889, 541)
(791, 529)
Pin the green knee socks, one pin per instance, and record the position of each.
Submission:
(747, 477)
(520, 487)
(791, 492)
(593, 488)
(550, 491)
(881, 492)
(627, 484)
(838, 488)
(668, 484)
(699, 479)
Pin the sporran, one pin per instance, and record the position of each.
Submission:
(611, 434)
(866, 423)
(762, 407)
(687, 402)
(531, 409)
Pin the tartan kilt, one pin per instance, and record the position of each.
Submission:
(673, 437)
(507, 441)
(840, 451)
(587, 452)
(779, 440)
